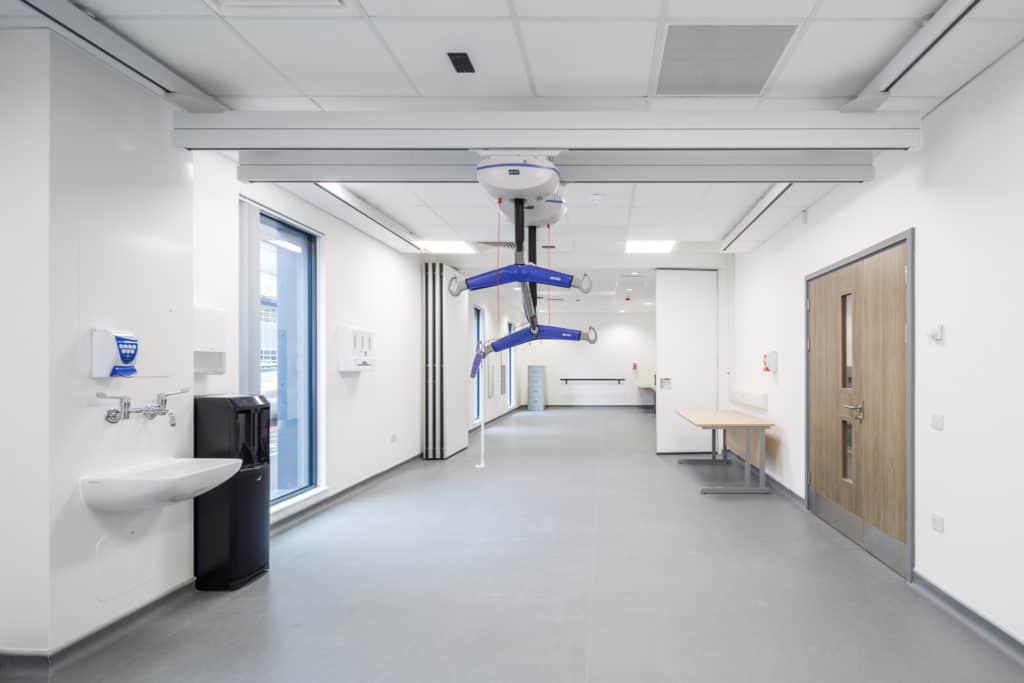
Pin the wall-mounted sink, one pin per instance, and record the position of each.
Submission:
(159, 482)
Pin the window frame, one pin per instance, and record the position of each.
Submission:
(250, 320)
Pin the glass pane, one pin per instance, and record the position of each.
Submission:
(847, 340)
(286, 354)
(847, 450)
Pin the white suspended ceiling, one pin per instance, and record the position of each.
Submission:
(392, 52)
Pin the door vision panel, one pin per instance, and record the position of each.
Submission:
(857, 401)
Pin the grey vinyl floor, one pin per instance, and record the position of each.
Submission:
(576, 555)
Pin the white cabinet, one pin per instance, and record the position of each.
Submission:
(355, 349)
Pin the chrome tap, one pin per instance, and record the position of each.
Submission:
(150, 411)
(122, 412)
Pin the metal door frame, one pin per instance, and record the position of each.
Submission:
(906, 236)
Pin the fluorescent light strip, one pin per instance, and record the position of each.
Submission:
(763, 204)
(446, 246)
(944, 20)
(342, 194)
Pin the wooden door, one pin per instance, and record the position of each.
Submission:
(857, 401)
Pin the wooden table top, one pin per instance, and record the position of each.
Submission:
(724, 419)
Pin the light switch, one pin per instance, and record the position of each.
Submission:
(938, 422)
(938, 523)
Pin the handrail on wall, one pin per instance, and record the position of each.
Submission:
(619, 380)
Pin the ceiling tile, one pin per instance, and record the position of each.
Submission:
(386, 195)
(683, 231)
(436, 8)
(422, 47)
(597, 215)
(608, 194)
(414, 217)
(676, 196)
(838, 58)
(731, 196)
(326, 56)
(922, 105)
(15, 8)
(454, 195)
(803, 195)
(456, 216)
(877, 9)
(962, 54)
(270, 103)
(998, 9)
(207, 52)
(588, 8)
(667, 103)
(147, 8)
(802, 103)
(740, 9)
(600, 58)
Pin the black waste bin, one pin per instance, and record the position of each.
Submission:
(232, 522)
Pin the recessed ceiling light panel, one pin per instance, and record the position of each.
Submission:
(650, 246)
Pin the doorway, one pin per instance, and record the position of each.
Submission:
(860, 399)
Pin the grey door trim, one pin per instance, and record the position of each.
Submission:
(906, 236)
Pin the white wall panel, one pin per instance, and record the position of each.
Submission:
(687, 341)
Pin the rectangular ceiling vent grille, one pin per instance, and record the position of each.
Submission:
(283, 8)
(721, 60)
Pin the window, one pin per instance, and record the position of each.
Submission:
(847, 450)
(511, 374)
(278, 329)
(478, 339)
(847, 341)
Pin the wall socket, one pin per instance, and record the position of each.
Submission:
(938, 422)
(938, 523)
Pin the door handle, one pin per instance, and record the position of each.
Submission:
(859, 407)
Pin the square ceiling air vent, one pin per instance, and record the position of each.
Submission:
(284, 8)
(720, 60)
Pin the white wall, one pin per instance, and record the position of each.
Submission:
(24, 194)
(215, 257)
(622, 339)
(495, 325)
(372, 420)
(962, 193)
(120, 257)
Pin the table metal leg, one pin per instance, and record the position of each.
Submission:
(748, 456)
(713, 453)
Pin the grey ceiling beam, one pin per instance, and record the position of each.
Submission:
(238, 130)
(604, 166)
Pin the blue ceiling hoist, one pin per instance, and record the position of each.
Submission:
(532, 275)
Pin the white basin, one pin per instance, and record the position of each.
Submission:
(159, 482)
